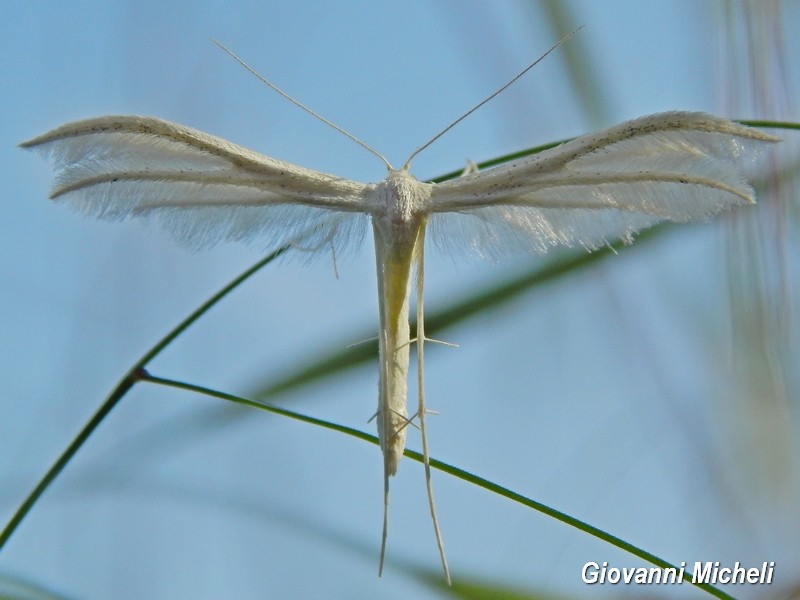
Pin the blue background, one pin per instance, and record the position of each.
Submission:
(610, 395)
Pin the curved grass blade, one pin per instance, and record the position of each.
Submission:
(122, 388)
(445, 468)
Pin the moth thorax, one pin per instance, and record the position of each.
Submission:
(405, 197)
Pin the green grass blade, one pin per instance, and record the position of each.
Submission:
(445, 468)
(126, 383)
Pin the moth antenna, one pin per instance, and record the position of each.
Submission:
(491, 97)
(299, 104)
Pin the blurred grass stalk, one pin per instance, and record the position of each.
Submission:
(756, 409)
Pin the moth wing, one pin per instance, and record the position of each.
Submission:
(675, 166)
(202, 188)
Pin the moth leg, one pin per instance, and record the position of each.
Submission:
(385, 531)
(470, 169)
(326, 241)
(421, 411)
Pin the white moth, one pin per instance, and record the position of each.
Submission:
(674, 166)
